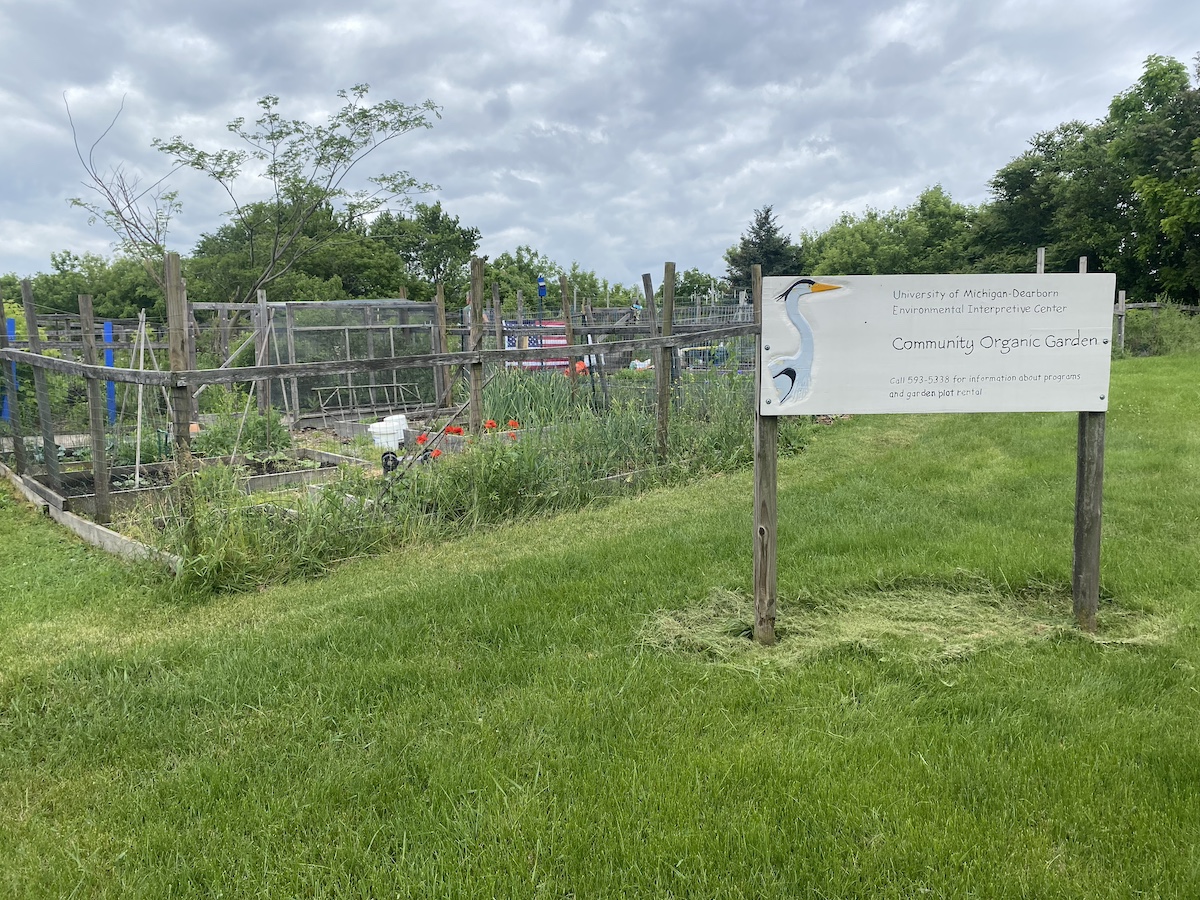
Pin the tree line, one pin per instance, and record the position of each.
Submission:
(1123, 191)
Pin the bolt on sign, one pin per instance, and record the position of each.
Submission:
(936, 343)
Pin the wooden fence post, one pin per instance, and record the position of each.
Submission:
(766, 445)
(181, 421)
(475, 368)
(1121, 319)
(96, 411)
(260, 348)
(1089, 494)
(659, 390)
(665, 360)
(41, 389)
(570, 335)
(442, 374)
(20, 463)
(597, 356)
(497, 316)
(369, 321)
(289, 321)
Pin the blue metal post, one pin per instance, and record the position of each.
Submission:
(10, 325)
(111, 387)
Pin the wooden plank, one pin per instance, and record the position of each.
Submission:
(569, 333)
(96, 410)
(41, 388)
(665, 356)
(340, 367)
(497, 316)
(313, 304)
(22, 485)
(441, 344)
(1121, 307)
(369, 315)
(111, 542)
(349, 374)
(766, 445)
(597, 355)
(14, 403)
(652, 317)
(1089, 495)
(261, 323)
(475, 367)
(398, 326)
(289, 317)
(181, 418)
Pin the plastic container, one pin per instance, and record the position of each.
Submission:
(388, 435)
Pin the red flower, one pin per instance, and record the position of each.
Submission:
(421, 439)
(581, 367)
(513, 423)
(454, 429)
(513, 435)
(435, 452)
(489, 424)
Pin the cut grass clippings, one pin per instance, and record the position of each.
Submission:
(919, 622)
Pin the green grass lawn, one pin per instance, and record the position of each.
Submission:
(564, 708)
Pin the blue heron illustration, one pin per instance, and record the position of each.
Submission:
(792, 375)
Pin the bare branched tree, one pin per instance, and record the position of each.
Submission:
(138, 214)
(309, 169)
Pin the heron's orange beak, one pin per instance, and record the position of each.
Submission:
(818, 287)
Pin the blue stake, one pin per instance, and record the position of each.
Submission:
(10, 326)
(108, 361)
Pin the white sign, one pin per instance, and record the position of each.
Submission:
(936, 343)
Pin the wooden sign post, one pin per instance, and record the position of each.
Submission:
(934, 344)
(1089, 492)
(766, 457)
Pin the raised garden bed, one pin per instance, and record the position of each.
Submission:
(77, 493)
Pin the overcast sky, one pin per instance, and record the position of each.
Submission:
(618, 134)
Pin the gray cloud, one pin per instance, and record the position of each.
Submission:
(618, 133)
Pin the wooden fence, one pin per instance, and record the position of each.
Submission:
(183, 381)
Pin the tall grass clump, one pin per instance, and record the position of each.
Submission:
(229, 540)
(556, 455)
(1164, 331)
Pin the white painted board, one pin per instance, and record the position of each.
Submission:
(936, 343)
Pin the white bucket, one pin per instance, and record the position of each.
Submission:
(387, 435)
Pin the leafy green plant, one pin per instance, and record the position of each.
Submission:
(1161, 332)
(240, 426)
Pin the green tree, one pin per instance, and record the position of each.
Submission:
(433, 245)
(311, 171)
(764, 244)
(519, 270)
(1156, 139)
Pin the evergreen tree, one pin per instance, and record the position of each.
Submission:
(764, 244)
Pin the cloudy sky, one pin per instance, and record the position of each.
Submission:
(618, 133)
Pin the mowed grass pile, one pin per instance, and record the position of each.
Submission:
(564, 707)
